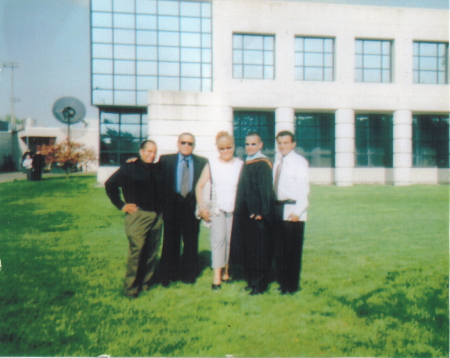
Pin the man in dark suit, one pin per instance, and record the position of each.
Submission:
(180, 173)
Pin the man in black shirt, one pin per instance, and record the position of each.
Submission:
(141, 187)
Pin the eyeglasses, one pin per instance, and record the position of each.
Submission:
(250, 144)
(225, 148)
(187, 143)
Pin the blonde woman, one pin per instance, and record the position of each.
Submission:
(223, 172)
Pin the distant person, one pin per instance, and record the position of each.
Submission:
(141, 186)
(223, 173)
(38, 166)
(253, 217)
(291, 185)
(180, 174)
(27, 164)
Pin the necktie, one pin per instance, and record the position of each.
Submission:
(185, 187)
(277, 177)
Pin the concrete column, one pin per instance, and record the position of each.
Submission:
(402, 147)
(284, 120)
(345, 147)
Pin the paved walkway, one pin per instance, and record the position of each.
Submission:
(5, 177)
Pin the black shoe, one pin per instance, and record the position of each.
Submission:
(227, 280)
(216, 287)
(165, 284)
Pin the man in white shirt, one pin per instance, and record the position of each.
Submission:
(291, 186)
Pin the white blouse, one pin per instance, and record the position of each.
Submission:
(225, 177)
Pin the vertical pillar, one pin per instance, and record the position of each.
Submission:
(345, 147)
(284, 120)
(402, 147)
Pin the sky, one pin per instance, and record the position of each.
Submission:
(51, 39)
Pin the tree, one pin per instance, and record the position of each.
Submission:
(67, 155)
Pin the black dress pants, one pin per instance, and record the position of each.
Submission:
(182, 226)
(289, 249)
(257, 255)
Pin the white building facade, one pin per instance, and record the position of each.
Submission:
(365, 89)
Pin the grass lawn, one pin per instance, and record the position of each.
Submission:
(375, 281)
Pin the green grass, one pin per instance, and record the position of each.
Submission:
(375, 281)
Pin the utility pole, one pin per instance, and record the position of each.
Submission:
(12, 66)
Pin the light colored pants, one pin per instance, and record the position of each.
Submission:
(220, 234)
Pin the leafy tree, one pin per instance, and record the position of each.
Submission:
(67, 155)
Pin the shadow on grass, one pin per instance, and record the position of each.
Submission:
(38, 301)
(408, 300)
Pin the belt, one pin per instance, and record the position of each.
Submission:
(284, 202)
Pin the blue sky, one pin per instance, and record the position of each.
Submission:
(50, 39)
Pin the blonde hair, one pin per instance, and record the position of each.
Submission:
(226, 135)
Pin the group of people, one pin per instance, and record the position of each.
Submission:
(256, 213)
(34, 164)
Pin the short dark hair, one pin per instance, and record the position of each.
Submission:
(144, 143)
(286, 133)
(249, 134)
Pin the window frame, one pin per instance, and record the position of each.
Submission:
(362, 71)
(322, 131)
(241, 56)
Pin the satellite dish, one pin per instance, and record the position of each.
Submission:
(69, 110)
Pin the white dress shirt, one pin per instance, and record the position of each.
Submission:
(293, 184)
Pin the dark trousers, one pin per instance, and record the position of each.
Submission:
(257, 255)
(289, 248)
(143, 229)
(183, 226)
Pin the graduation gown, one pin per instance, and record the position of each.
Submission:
(251, 240)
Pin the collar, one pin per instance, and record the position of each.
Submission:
(182, 157)
(255, 156)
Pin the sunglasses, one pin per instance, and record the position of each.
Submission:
(187, 143)
(250, 144)
(225, 148)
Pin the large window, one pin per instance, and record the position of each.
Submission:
(314, 59)
(121, 132)
(431, 141)
(315, 138)
(374, 140)
(140, 45)
(373, 61)
(253, 56)
(430, 62)
(252, 121)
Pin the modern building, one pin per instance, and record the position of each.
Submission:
(365, 88)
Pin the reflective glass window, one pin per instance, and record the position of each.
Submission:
(430, 64)
(373, 61)
(315, 138)
(101, 19)
(127, 41)
(431, 141)
(374, 140)
(146, 6)
(101, 5)
(123, 6)
(253, 56)
(121, 131)
(102, 51)
(146, 22)
(314, 59)
(125, 21)
(102, 35)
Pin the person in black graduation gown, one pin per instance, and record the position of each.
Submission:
(253, 217)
